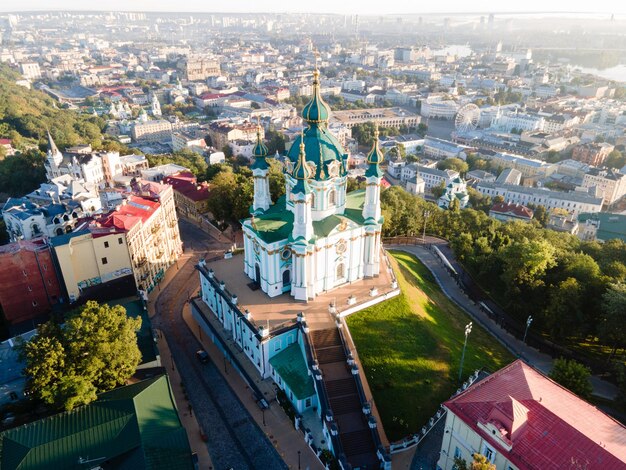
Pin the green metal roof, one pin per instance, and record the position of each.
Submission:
(374, 159)
(276, 223)
(290, 365)
(133, 427)
(259, 152)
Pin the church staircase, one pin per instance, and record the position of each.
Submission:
(355, 435)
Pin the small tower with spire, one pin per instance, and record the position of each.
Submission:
(372, 211)
(156, 107)
(302, 232)
(303, 198)
(54, 157)
(260, 172)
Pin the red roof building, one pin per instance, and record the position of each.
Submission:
(191, 197)
(521, 420)
(506, 211)
(29, 286)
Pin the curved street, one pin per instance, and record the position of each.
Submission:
(233, 438)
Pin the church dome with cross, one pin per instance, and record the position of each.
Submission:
(317, 236)
(321, 147)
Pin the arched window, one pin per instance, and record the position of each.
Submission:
(59, 231)
(68, 229)
(341, 271)
(312, 200)
(36, 229)
(331, 198)
(286, 277)
(66, 217)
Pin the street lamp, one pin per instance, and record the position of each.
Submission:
(426, 214)
(468, 330)
(529, 320)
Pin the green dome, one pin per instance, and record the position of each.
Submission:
(316, 110)
(321, 148)
(259, 152)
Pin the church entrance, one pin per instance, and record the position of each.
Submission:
(257, 274)
(286, 277)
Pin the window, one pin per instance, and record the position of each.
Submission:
(457, 453)
(119, 241)
(106, 244)
(30, 289)
(104, 260)
(307, 403)
(277, 346)
(331, 198)
(34, 303)
(489, 453)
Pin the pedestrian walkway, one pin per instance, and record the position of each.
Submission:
(273, 421)
(454, 292)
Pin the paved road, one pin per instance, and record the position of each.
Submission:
(234, 439)
(541, 361)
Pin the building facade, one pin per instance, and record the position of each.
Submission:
(592, 153)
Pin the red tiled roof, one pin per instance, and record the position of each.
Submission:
(126, 216)
(517, 210)
(5, 141)
(211, 96)
(385, 184)
(547, 426)
(186, 184)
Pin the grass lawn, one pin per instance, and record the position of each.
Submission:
(410, 347)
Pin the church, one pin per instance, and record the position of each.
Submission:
(317, 236)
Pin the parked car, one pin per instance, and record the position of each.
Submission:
(202, 356)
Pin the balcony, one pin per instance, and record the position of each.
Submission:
(141, 262)
(155, 228)
(172, 224)
(160, 254)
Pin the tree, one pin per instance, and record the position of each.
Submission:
(438, 190)
(94, 351)
(613, 318)
(276, 179)
(22, 173)
(615, 159)
(573, 376)
(481, 463)
(455, 164)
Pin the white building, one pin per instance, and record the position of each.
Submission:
(454, 190)
(573, 202)
(610, 183)
(326, 237)
(437, 107)
(416, 185)
(25, 220)
(515, 120)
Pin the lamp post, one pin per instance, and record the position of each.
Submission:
(263, 411)
(299, 460)
(426, 214)
(529, 320)
(468, 330)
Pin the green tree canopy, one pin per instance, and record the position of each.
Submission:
(573, 376)
(455, 164)
(94, 351)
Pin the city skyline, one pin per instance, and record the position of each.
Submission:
(367, 7)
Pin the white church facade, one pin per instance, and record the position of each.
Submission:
(318, 236)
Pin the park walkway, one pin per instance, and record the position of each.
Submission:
(539, 360)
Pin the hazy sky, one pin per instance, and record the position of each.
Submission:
(323, 6)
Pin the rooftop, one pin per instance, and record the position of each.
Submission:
(133, 427)
(291, 367)
(557, 429)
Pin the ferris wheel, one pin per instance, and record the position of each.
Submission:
(467, 118)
